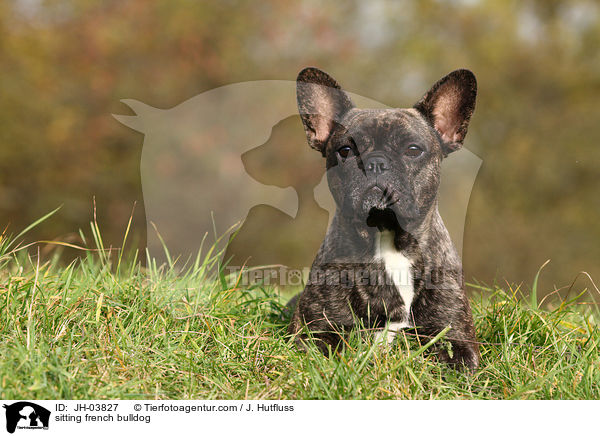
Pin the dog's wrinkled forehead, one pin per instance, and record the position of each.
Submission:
(380, 126)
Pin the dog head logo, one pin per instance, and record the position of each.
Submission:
(26, 415)
(234, 155)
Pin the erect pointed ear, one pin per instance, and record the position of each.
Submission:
(322, 103)
(448, 106)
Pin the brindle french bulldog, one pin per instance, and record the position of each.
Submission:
(387, 260)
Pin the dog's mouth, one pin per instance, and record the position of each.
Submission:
(377, 202)
(383, 219)
(387, 208)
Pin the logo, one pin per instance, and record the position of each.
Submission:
(26, 415)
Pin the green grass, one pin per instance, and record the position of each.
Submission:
(105, 327)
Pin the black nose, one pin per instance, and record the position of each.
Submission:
(376, 164)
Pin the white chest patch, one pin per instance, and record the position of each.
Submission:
(399, 269)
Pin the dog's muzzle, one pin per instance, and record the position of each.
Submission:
(379, 196)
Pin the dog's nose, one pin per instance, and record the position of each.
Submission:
(376, 165)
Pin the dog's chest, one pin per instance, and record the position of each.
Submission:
(397, 266)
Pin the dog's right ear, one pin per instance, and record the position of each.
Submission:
(322, 103)
(448, 106)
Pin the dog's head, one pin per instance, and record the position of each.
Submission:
(383, 165)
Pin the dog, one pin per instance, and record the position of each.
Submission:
(387, 261)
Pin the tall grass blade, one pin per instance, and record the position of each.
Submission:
(533, 296)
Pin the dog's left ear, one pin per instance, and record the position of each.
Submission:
(448, 106)
(322, 104)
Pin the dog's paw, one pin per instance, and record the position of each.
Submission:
(461, 357)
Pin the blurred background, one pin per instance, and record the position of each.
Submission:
(66, 64)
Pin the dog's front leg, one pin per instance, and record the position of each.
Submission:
(310, 322)
(439, 309)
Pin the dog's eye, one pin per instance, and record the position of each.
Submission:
(344, 151)
(413, 151)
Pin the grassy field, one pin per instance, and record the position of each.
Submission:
(104, 327)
